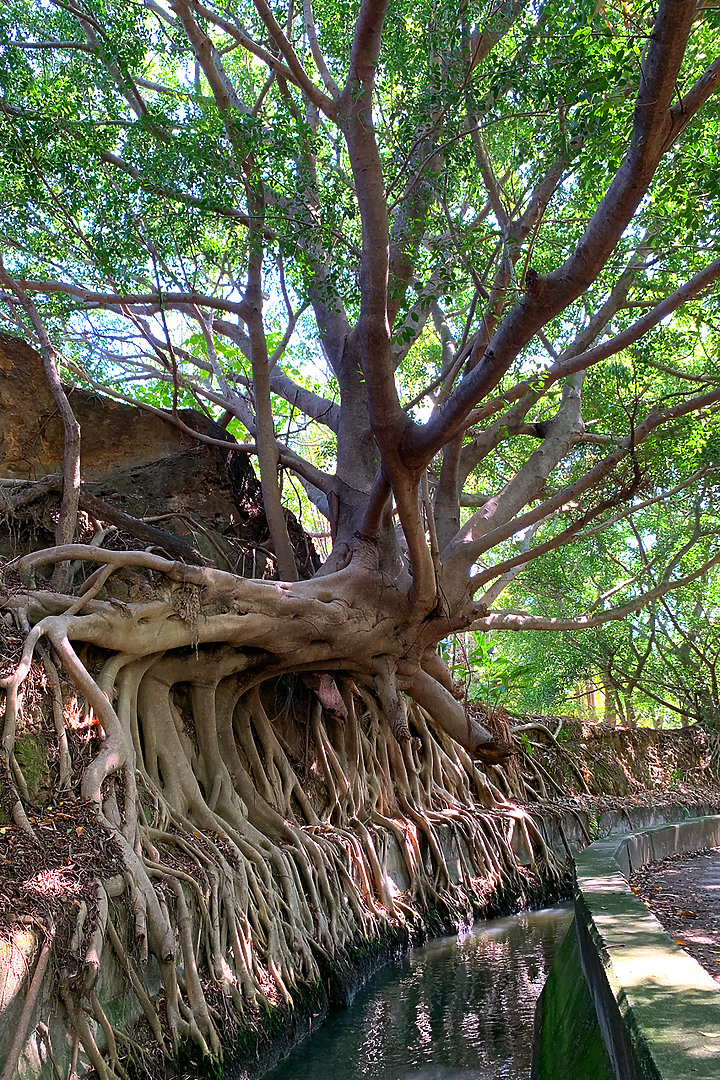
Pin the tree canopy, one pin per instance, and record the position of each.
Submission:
(460, 255)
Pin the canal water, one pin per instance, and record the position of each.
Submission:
(460, 1008)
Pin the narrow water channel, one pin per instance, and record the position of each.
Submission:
(460, 1008)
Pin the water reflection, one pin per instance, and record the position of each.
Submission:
(456, 1009)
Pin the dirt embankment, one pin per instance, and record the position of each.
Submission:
(637, 764)
(149, 477)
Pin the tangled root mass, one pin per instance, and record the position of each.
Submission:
(248, 806)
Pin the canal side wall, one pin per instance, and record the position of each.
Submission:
(623, 1001)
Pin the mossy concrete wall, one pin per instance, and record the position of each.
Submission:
(566, 1027)
(620, 984)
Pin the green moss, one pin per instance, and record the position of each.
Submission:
(31, 755)
(568, 1040)
(117, 1010)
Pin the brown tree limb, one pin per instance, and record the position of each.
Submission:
(589, 357)
(170, 299)
(209, 60)
(388, 419)
(654, 127)
(655, 419)
(511, 419)
(267, 449)
(560, 434)
(446, 711)
(312, 92)
(273, 62)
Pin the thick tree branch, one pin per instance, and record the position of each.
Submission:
(176, 300)
(387, 417)
(577, 531)
(78, 46)
(209, 60)
(447, 712)
(588, 358)
(320, 101)
(561, 433)
(273, 62)
(655, 418)
(267, 450)
(654, 127)
(511, 422)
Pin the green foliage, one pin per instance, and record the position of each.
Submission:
(122, 171)
(664, 654)
(494, 677)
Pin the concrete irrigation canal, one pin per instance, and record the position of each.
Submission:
(459, 1008)
(590, 990)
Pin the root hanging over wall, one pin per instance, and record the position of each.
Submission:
(238, 799)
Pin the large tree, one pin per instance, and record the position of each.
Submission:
(396, 250)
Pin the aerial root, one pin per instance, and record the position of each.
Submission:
(58, 710)
(392, 704)
(259, 851)
(79, 1022)
(28, 1008)
(151, 1013)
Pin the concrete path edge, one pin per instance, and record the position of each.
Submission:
(657, 1009)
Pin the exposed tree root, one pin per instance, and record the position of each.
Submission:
(33, 992)
(260, 837)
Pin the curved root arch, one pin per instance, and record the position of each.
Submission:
(260, 838)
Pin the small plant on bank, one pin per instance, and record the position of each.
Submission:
(496, 679)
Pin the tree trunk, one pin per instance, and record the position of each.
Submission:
(610, 716)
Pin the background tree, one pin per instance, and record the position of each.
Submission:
(425, 258)
(660, 660)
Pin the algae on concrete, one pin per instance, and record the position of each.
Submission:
(568, 1042)
(31, 754)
